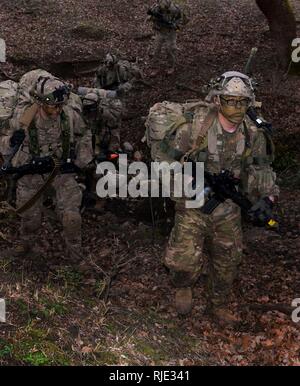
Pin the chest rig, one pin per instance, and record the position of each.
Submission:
(67, 147)
(226, 150)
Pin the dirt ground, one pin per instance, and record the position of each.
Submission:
(122, 312)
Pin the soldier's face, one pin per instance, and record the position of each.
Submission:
(52, 111)
(233, 108)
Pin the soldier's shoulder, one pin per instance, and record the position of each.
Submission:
(101, 68)
(124, 63)
(198, 108)
(257, 134)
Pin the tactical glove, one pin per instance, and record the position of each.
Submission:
(261, 212)
(120, 92)
(17, 138)
(112, 94)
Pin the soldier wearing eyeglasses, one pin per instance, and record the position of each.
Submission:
(48, 122)
(233, 142)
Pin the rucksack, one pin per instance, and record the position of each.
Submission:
(8, 100)
(28, 81)
(111, 112)
(173, 129)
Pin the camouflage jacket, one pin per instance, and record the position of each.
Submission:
(165, 19)
(248, 153)
(46, 136)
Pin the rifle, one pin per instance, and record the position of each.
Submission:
(259, 122)
(223, 186)
(40, 165)
(162, 20)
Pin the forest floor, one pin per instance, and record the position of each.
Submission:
(122, 311)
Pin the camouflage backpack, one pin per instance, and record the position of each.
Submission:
(174, 129)
(111, 112)
(8, 100)
(29, 80)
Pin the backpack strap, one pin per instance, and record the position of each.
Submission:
(201, 130)
(28, 115)
(67, 139)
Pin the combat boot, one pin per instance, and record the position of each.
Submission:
(183, 300)
(22, 249)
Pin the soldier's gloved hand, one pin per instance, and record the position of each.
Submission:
(261, 211)
(82, 91)
(17, 138)
(120, 92)
(112, 94)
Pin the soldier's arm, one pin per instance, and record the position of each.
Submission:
(97, 78)
(127, 77)
(82, 139)
(4, 144)
(261, 177)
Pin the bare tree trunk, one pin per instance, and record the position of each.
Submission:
(282, 22)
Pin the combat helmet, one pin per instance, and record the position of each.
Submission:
(110, 59)
(90, 102)
(232, 83)
(165, 3)
(50, 91)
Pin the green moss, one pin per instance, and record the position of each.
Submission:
(53, 308)
(106, 358)
(71, 278)
(22, 306)
(154, 353)
(5, 349)
(34, 348)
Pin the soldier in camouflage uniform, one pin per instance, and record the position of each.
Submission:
(103, 114)
(54, 127)
(165, 16)
(231, 142)
(116, 74)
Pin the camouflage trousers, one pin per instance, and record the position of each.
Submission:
(166, 39)
(109, 139)
(197, 239)
(68, 201)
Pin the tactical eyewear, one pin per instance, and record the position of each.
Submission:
(236, 102)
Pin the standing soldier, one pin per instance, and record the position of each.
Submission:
(53, 127)
(229, 140)
(118, 77)
(166, 17)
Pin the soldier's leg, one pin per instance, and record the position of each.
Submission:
(27, 186)
(184, 253)
(69, 196)
(156, 57)
(115, 140)
(171, 49)
(226, 255)
(159, 41)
